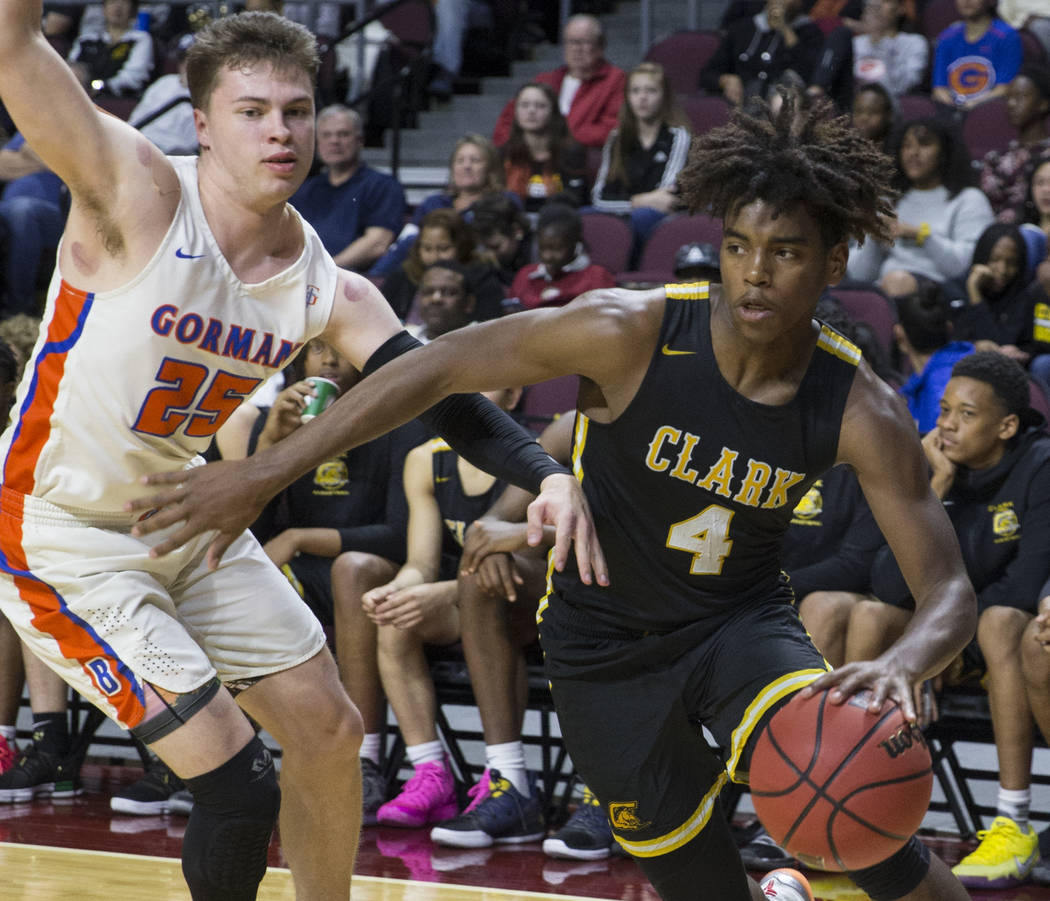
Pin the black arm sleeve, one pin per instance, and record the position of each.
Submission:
(478, 430)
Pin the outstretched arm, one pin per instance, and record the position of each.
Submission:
(597, 337)
(879, 441)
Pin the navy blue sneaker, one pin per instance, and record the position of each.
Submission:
(586, 836)
(504, 817)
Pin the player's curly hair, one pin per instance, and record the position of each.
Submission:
(800, 154)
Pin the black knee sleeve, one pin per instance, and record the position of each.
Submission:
(896, 876)
(227, 838)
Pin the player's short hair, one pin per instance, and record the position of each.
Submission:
(1005, 377)
(563, 218)
(244, 40)
(498, 214)
(923, 315)
(466, 273)
(802, 155)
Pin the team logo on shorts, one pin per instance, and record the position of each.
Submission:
(624, 816)
(101, 672)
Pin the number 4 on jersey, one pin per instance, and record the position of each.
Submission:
(706, 537)
(174, 401)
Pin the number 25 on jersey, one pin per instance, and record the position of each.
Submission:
(175, 401)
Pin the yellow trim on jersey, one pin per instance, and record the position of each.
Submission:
(438, 444)
(674, 839)
(688, 291)
(579, 440)
(779, 688)
(545, 600)
(838, 346)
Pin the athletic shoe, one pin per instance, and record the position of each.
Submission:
(504, 817)
(8, 754)
(150, 795)
(373, 790)
(787, 885)
(1004, 857)
(181, 803)
(40, 773)
(478, 792)
(586, 836)
(758, 851)
(428, 797)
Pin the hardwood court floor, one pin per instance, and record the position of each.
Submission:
(81, 850)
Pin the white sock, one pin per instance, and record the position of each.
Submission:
(1014, 803)
(8, 732)
(509, 759)
(371, 744)
(428, 752)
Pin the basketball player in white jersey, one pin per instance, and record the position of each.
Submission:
(181, 284)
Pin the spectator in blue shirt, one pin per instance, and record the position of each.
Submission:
(356, 210)
(975, 58)
(922, 333)
(32, 214)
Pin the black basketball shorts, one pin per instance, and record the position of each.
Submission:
(631, 707)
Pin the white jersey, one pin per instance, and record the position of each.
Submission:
(136, 380)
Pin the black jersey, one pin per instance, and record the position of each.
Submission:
(693, 486)
(458, 509)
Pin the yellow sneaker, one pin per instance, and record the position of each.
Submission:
(1004, 858)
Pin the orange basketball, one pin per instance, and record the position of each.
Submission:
(840, 788)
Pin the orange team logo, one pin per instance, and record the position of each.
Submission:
(624, 816)
(312, 294)
(969, 76)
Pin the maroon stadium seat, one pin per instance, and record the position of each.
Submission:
(705, 112)
(683, 55)
(986, 127)
(871, 307)
(545, 400)
(657, 263)
(608, 240)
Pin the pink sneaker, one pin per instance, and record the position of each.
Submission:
(479, 792)
(428, 797)
(8, 754)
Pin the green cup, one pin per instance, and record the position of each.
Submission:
(325, 391)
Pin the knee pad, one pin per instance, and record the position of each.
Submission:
(896, 876)
(227, 838)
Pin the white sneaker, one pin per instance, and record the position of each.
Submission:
(787, 885)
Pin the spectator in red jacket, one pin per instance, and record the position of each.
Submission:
(564, 271)
(589, 87)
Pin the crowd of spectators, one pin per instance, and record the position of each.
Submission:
(967, 278)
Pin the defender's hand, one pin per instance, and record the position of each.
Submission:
(219, 497)
(561, 504)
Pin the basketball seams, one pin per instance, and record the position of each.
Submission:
(819, 833)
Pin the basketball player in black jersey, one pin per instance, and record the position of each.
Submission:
(702, 421)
